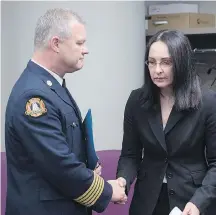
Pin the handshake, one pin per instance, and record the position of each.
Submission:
(118, 187)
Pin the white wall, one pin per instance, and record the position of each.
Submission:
(116, 41)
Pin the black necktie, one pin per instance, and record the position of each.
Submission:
(64, 83)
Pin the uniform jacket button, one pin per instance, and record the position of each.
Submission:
(74, 125)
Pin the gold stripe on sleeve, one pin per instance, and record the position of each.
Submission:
(93, 193)
(97, 193)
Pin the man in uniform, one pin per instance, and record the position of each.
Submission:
(45, 141)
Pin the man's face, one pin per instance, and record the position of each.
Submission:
(73, 49)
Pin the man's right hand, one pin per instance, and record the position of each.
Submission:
(118, 192)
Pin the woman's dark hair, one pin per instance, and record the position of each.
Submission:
(186, 83)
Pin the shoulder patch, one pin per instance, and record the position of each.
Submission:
(35, 107)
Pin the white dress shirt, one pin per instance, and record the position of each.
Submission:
(57, 77)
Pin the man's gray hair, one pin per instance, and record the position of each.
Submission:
(55, 22)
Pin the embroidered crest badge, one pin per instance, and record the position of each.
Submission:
(35, 107)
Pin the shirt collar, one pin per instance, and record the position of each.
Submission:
(57, 77)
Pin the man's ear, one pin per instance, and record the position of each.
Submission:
(54, 44)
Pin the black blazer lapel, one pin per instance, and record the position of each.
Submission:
(156, 125)
(174, 118)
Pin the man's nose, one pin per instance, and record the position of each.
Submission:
(85, 51)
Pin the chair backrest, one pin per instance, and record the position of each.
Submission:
(3, 182)
(109, 161)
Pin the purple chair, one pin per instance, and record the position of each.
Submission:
(3, 182)
(109, 161)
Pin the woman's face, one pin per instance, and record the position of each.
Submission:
(160, 65)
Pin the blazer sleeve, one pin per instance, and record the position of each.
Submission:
(204, 195)
(131, 153)
(46, 144)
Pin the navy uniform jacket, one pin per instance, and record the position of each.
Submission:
(45, 151)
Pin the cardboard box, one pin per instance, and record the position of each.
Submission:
(181, 21)
(200, 20)
(172, 8)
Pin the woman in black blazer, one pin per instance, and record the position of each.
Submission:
(169, 141)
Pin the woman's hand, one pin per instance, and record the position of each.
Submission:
(190, 209)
